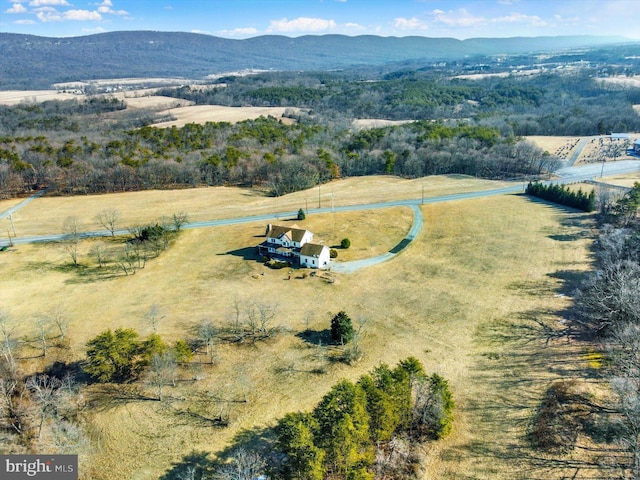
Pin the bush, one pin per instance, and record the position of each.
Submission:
(333, 253)
(277, 264)
(342, 328)
(301, 214)
(345, 243)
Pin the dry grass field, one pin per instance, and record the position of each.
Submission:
(623, 180)
(155, 102)
(478, 297)
(15, 97)
(219, 113)
(49, 213)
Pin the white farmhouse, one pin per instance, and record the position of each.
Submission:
(294, 244)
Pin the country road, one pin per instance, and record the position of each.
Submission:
(566, 174)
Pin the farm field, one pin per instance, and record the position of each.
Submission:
(210, 203)
(219, 113)
(477, 297)
(15, 97)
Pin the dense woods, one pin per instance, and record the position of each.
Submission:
(456, 125)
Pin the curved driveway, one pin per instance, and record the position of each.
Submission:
(567, 175)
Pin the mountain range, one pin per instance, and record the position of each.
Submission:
(29, 61)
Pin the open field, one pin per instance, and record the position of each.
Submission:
(155, 102)
(478, 297)
(623, 180)
(219, 113)
(15, 97)
(48, 214)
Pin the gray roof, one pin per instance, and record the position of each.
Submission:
(312, 249)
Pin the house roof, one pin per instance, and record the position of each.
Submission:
(295, 234)
(312, 249)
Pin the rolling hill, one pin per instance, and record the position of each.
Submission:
(36, 62)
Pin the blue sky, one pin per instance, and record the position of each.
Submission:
(249, 18)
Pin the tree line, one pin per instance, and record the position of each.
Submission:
(607, 307)
(262, 152)
(563, 195)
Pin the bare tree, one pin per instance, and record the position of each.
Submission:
(207, 332)
(244, 465)
(162, 371)
(9, 344)
(99, 252)
(58, 317)
(45, 391)
(154, 316)
(71, 240)
(179, 220)
(109, 218)
(42, 324)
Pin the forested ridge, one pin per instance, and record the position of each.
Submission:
(30, 61)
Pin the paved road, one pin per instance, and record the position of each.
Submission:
(23, 203)
(567, 175)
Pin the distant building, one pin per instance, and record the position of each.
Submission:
(295, 245)
(620, 136)
(636, 147)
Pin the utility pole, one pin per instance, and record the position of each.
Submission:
(12, 227)
(318, 196)
(9, 235)
(422, 195)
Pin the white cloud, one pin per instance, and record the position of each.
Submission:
(82, 15)
(16, 8)
(457, 18)
(57, 3)
(237, 32)
(301, 24)
(521, 18)
(354, 26)
(25, 22)
(108, 10)
(508, 2)
(48, 14)
(93, 30)
(409, 24)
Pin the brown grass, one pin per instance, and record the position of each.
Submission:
(47, 214)
(218, 113)
(466, 298)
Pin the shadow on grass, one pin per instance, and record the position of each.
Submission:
(316, 337)
(246, 253)
(104, 397)
(199, 465)
(195, 465)
(521, 356)
(571, 280)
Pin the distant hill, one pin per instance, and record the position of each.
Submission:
(29, 61)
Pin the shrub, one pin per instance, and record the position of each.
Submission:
(342, 328)
(333, 253)
(277, 264)
(301, 214)
(345, 243)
